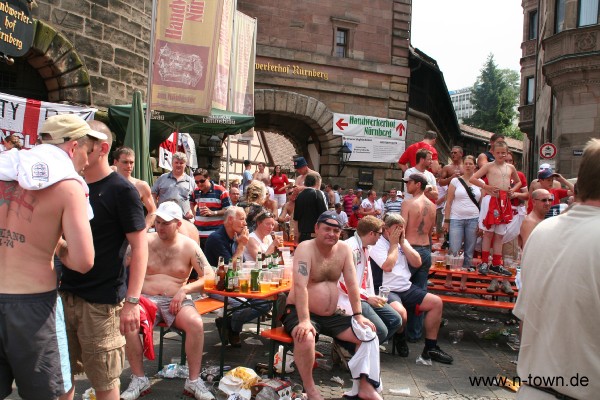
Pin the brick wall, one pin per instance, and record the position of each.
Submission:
(111, 37)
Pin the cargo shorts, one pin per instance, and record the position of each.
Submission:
(96, 345)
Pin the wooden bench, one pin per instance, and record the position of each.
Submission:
(278, 336)
(203, 306)
(505, 305)
(470, 290)
(470, 275)
(469, 284)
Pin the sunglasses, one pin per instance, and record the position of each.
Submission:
(200, 180)
(544, 200)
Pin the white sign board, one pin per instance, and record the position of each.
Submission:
(375, 127)
(371, 139)
(374, 149)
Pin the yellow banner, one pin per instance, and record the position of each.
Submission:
(185, 55)
(224, 57)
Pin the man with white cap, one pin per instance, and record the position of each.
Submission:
(166, 285)
(101, 306)
(42, 198)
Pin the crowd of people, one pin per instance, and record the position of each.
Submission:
(145, 250)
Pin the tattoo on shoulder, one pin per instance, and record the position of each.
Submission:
(303, 268)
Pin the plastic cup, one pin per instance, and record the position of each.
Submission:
(209, 282)
(265, 281)
(384, 292)
(244, 277)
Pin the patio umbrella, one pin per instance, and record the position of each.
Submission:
(137, 139)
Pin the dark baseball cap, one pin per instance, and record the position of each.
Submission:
(300, 162)
(327, 216)
(417, 177)
(545, 173)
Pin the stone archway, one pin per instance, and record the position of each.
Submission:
(305, 121)
(55, 59)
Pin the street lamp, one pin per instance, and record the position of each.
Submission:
(344, 153)
(214, 144)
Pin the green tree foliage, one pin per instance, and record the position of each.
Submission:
(494, 97)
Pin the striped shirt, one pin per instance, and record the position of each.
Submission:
(393, 205)
(217, 198)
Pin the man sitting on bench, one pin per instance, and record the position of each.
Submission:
(171, 257)
(393, 254)
(312, 303)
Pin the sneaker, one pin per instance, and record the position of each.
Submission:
(494, 286)
(138, 387)
(437, 354)
(483, 268)
(499, 270)
(401, 345)
(506, 288)
(197, 390)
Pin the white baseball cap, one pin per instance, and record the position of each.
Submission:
(169, 211)
(544, 166)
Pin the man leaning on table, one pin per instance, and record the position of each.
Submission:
(166, 285)
(312, 305)
(229, 241)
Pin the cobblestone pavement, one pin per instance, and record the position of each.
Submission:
(473, 356)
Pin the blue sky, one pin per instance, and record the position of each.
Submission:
(459, 35)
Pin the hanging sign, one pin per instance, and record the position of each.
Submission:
(16, 28)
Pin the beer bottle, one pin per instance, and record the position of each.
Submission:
(236, 275)
(221, 274)
(229, 277)
(259, 260)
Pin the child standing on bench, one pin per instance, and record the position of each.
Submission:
(496, 210)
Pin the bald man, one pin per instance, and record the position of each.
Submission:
(542, 201)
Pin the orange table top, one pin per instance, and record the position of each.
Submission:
(251, 295)
(474, 275)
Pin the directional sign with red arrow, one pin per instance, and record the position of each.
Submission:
(341, 124)
(368, 126)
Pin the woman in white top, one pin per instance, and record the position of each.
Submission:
(461, 214)
(260, 239)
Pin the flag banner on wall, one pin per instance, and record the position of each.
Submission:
(185, 55)
(223, 57)
(243, 50)
(24, 117)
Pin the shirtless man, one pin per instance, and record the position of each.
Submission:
(32, 219)
(171, 258)
(419, 214)
(124, 160)
(542, 200)
(287, 213)
(454, 169)
(312, 303)
(301, 167)
(496, 209)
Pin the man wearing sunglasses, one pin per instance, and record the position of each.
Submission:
(542, 201)
(208, 203)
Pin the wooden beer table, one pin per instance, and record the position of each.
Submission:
(228, 310)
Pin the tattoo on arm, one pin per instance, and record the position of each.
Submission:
(302, 268)
(201, 260)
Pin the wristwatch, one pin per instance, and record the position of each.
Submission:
(132, 300)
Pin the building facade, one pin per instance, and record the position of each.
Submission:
(560, 80)
(313, 59)
(461, 101)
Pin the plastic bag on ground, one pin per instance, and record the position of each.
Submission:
(278, 361)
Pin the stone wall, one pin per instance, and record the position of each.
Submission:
(111, 37)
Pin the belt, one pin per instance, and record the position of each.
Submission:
(425, 246)
(552, 392)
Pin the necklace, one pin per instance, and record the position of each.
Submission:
(502, 173)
